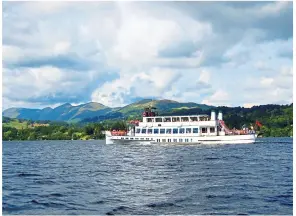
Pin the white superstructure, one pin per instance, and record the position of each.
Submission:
(191, 129)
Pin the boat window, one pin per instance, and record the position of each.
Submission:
(193, 118)
(212, 129)
(182, 130)
(204, 130)
(175, 130)
(180, 140)
(168, 119)
(195, 130)
(188, 130)
(163, 140)
(162, 130)
(138, 130)
(168, 130)
(150, 119)
(175, 119)
(143, 131)
(158, 119)
(156, 130)
(149, 131)
(175, 140)
(184, 119)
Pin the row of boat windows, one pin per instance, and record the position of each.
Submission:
(127, 138)
(160, 140)
(173, 140)
(178, 119)
(173, 130)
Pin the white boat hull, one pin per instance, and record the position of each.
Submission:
(227, 139)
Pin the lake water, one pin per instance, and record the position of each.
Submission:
(89, 177)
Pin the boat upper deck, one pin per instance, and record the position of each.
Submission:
(187, 118)
(152, 119)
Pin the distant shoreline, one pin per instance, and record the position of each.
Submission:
(276, 120)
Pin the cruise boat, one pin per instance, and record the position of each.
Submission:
(187, 129)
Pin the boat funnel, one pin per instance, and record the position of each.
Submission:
(220, 116)
(213, 115)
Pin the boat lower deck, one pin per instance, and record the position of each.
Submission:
(227, 139)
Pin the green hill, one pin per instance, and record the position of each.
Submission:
(97, 111)
(136, 109)
(65, 112)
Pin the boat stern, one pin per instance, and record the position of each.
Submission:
(109, 140)
(109, 137)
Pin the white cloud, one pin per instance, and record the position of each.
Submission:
(205, 76)
(219, 98)
(287, 71)
(11, 53)
(40, 83)
(45, 7)
(266, 81)
(143, 84)
(7, 103)
(276, 89)
(61, 47)
(140, 37)
(273, 8)
(112, 93)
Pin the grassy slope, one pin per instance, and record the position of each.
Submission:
(20, 124)
(15, 123)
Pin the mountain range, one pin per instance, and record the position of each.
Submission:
(97, 111)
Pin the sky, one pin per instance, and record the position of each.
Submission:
(116, 53)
